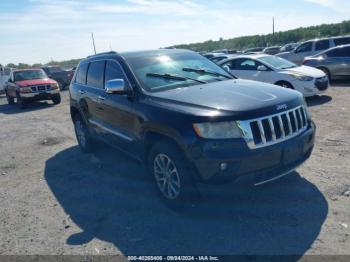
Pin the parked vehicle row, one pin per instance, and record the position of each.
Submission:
(189, 120)
(29, 85)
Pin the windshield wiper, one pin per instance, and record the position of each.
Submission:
(175, 77)
(205, 72)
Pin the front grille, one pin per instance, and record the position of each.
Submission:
(273, 129)
(41, 88)
(322, 83)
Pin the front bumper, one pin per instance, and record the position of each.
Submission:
(272, 161)
(312, 88)
(40, 95)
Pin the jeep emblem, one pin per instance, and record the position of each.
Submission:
(281, 107)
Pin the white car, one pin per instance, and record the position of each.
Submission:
(275, 70)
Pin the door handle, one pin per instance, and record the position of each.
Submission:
(82, 92)
(101, 98)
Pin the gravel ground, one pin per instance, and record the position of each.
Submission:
(56, 200)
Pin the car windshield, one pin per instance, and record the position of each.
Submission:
(29, 75)
(277, 62)
(174, 70)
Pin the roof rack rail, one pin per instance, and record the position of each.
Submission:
(104, 53)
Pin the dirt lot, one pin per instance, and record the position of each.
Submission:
(56, 200)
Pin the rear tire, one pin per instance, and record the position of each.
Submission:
(56, 99)
(10, 99)
(173, 175)
(83, 135)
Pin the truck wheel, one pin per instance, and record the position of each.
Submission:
(83, 135)
(10, 99)
(20, 102)
(173, 175)
(56, 99)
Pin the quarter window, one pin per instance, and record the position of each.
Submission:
(81, 74)
(95, 74)
(322, 45)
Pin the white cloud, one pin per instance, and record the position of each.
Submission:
(341, 6)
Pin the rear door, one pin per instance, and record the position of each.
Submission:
(94, 95)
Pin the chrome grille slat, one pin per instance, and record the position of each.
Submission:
(262, 132)
(282, 126)
(273, 129)
(289, 125)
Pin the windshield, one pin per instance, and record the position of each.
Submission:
(277, 62)
(172, 67)
(29, 75)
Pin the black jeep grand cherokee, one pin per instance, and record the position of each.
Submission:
(189, 119)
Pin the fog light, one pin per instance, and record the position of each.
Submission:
(223, 166)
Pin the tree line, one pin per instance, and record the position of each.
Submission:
(279, 38)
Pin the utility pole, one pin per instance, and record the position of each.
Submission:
(93, 42)
(273, 30)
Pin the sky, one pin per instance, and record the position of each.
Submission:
(38, 31)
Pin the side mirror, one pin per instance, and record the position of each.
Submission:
(116, 86)
(226, 68)
(262, 68)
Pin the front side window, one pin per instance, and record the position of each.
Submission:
(29, 75)
(247, 65)
(95, 74)
(164, 71)
(113, 71)
(306, 47)
(322, 45)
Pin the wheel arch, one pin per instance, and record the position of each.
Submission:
(281, 82)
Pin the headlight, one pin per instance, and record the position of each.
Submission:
(25, 90)
(300, 77)
(54, 86)
(220, 130)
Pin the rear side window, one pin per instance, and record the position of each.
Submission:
(114, 71)
(322, 45)
(342, 41)
(339, 52)
(95, 74)
(81, 74)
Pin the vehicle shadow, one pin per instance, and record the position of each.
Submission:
(318, 100)
(14, 109)
(113, 199)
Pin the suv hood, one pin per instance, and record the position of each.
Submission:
(34, 82)
(239, 96)
(306, 70)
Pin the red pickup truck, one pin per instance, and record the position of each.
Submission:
(29, 85)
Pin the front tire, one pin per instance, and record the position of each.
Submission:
(83, 135)
(20, 102)
(56, 99)
(10, 99)
(172, 174)
(285, 84)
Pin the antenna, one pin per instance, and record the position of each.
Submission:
(93, 42)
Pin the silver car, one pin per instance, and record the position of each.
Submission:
(335, 62)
